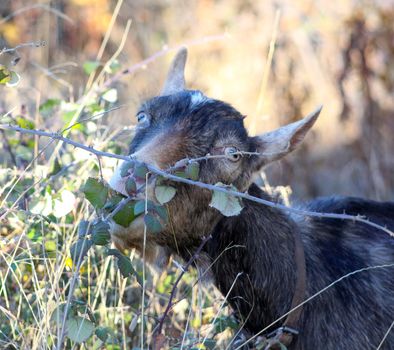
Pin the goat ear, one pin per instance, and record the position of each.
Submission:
(175, 81)
(276, 144)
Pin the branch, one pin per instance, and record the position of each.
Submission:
(14, 50)
(20, 46)
(41, 6)
(58, 136)
(158, 54)
(175, 286)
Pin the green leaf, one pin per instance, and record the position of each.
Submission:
(110, 95)
(125, 167)
(83, 228)
(114, 66)
(158, 209)
(181, 174)
(192, 171)
(140, 171)
(35, 234)
(227, 204)
(113, 251)
(80, 249)
(47, 107)
(125, 216)
(56, 168)
(124, 265)
(103, 333)
(68, 116)
(224, 322)
(210, 344)
(50, 246)
(162, 212)
(131, 187)
(90, 66)
(79, 329)
(100, 233)
(139, 208)
(5, 74)
(153, 225)
(95, 192)
(14, 80)
(25, 123)
(58, 314)
(164, 193)
(113, 201)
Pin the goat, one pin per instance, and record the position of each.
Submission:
(263, 259)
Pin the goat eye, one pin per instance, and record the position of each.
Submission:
(142, 117)
(232, 153)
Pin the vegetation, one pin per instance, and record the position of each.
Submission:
(62, 285)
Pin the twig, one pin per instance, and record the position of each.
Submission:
(200, 277)
(175, 286)
(49, 73)
(41, 6)
(239, 274)
(113, 57)
(186, 161)
(158, 54)
(94, 117)
(119, 207)
(73, 282)
(20, 46)
(58, 136)
(144, 265)
(107, 36)
(100, 168)
(14, 50)
(19, 178)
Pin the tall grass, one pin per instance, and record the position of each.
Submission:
(66, 81)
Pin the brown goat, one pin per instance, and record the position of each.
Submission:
(355, 313)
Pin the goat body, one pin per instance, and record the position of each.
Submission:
(252, 255)
(355, 313)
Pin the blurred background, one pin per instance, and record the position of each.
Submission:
(94, 61)
(338, 53)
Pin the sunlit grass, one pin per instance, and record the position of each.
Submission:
(36, 269)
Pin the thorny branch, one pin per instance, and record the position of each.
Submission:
(58, 136)
(16, 48)
(175, 286)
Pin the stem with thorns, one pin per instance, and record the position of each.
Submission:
(165, 174)
(175, 286)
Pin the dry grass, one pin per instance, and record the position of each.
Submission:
(336, 54)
